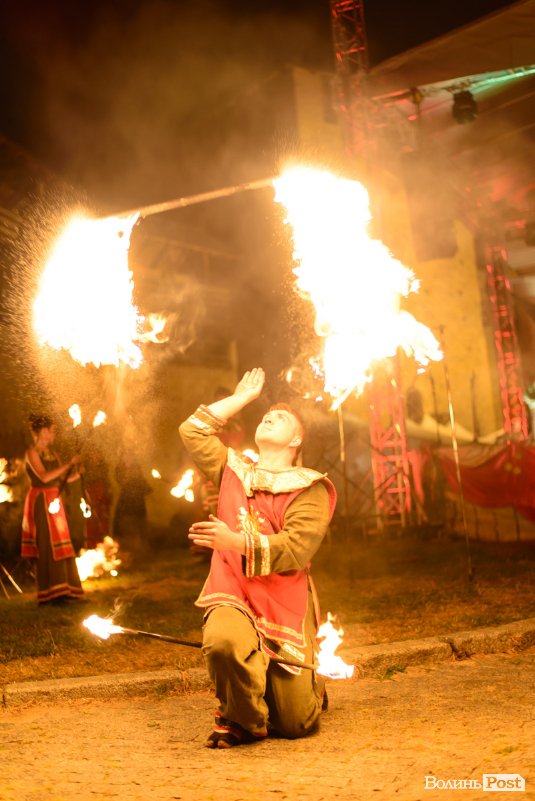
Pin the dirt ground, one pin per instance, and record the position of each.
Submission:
(378, 740)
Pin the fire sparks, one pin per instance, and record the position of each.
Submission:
(75, 413)
(85, 302)
(184, 487)
(330, 665)
(102, 627)
(98, 561)
(155, 473)
(353, 281)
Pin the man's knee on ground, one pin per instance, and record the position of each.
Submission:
(293, 729)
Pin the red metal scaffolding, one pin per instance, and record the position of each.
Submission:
(505, 340)
(390, 464)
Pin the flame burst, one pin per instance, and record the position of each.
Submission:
(85, 302)
(330, 665)
(184, 487)
(353, 281)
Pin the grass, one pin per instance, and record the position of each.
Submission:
(389, 590)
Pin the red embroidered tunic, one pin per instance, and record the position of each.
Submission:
(284, 516)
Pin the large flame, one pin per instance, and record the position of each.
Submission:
(330, 638)
(353, 281)
(183, 488)
(85, 302)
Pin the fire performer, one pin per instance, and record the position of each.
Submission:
(45, 535)
(259, 597)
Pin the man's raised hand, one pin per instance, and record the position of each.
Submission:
(250, 386)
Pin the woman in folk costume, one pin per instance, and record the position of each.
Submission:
(45, 535)
(259, 597)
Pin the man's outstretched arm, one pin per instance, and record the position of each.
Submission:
(247, 390)
(199, 431)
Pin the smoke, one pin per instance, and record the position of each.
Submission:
(136, 104)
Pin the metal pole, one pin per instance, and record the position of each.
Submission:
(196, 644)
(10, 577)
(203, 197)
(456, 453)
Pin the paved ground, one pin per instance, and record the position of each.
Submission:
(379, 739)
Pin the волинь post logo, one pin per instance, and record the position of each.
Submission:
(489, 782)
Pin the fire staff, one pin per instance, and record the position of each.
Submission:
(259, 596)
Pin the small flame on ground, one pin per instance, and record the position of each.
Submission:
(85, 301)
(353, 281)
(54, 506)
(155, 473)
(86, 509)
(184, 487)
(253, 456)
(330, 638)
(75, 413)
(99, 419)
(101, 626)
(98, 561)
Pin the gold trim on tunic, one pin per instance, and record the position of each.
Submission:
(258, 479)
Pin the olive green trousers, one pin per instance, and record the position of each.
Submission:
(251, 690)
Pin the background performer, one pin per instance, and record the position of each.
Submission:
(45, 535)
